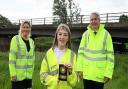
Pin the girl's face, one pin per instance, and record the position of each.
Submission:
(25, 30)
(62, 38)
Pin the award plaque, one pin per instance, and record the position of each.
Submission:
(62, 72)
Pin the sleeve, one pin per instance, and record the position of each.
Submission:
(80, 54)
(110, 57)
(45, 78)
(12, 56)
(72, 79)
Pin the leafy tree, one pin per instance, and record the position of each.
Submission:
(123, 19)
(4, 22)
(59, 10)
(65, 10)
(74, 11)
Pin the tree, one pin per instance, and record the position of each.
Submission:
(123, 19)
(4, 22)
(59, 10)
(74, 11)
(65, 10)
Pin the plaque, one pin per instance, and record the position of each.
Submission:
(62, 72)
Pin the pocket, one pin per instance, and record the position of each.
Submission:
(100, 68)
(101, 64)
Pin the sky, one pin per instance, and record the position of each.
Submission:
(27, 9)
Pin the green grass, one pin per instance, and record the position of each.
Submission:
(119, 80)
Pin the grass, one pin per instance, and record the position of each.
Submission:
(119, 80)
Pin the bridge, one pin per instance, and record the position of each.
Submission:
(47, 27)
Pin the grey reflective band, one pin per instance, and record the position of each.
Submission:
(47, 63)
(12, 51)
(96, 59)
(44, 75)
(105, 40)
(24, 57)
(54, 72)
(86, 38)
(110, 59)
(24, 67)
(111, 52)
(95, 51)
(72, 56)
(12, 61)
(17, 41)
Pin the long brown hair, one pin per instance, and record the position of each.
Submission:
(67, 29)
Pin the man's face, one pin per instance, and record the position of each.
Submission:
(94, 21)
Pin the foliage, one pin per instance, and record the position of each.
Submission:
(59, 10)
(65, 11)
(4, 22)
(123, 19)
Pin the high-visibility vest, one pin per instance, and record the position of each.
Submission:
(95, 55)
(21, 62)
(50, 67)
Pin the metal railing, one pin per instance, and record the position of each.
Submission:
(81, 19)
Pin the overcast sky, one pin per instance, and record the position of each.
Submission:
(26, 9)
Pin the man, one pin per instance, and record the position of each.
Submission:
(95, 60)
(21, 58)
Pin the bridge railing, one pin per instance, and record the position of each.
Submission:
(81, 19)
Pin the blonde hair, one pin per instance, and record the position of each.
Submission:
(22, 24)
(66, 28)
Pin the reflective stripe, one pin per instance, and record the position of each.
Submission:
(105, 39)
(95, 51)
(54, 72)
(24, 67)
(97, 59)
(111, 60)
(44, 75)
(12, 61)
(24, 57)
(111, 52)
(12, 51)
(93, 59)
(47, 63)
(72, 56)
(86, 38)
(17, 41)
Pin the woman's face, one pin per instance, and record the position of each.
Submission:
(62, 38)
(25, 30)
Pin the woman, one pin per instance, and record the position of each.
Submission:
(21, 58)
(59, 54)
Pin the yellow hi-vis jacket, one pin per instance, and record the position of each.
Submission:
(95, 55)
(21, 62)
(50, 67)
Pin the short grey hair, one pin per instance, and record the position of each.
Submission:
(96, 14)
